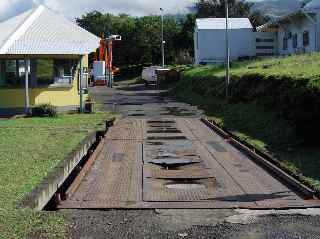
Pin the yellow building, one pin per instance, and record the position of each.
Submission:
(43, 59)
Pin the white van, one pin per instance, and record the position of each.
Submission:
(149, 75)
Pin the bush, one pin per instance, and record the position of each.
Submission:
(296, 100)
(44, 110)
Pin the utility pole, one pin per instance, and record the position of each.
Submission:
(162, 38)
(227, 50)
(81, 87)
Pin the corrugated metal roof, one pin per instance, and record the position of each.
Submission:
(10, 26)
(42, 31)
(220, 23)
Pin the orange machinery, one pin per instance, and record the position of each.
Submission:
(106, 55)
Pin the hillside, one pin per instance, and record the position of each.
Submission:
(277, 8)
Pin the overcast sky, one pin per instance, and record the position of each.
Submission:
(74, 8)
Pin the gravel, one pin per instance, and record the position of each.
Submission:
(139, 224)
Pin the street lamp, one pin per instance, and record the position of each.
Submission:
(162, 37)
(227, 49)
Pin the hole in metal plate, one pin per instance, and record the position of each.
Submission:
(155, 143)
(134, 115)
(167, 138)
(164, 154)
(172, 162)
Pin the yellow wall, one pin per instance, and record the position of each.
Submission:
(14, 98)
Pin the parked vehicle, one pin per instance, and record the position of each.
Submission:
(149, 75)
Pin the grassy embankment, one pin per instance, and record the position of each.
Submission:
(29, 149)
(274, 105)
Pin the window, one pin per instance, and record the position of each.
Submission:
(295, 41)
(12, 72)
(55, 72)
(306, 38)
(42, 72)
(64, 71)
(285, 43)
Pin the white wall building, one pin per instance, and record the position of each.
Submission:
(298, 32)
(210, 39)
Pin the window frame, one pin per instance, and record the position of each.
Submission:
(306, 38)
(295, 41)
(285, 43)
(68, 69)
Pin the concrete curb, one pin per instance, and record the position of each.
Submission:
(39, 197)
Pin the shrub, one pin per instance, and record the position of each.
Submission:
(295, 99)
(44, 110)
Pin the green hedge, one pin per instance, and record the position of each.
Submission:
(297, 100)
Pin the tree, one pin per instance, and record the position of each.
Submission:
(216, 8)
(141, 36)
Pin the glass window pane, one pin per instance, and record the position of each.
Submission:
(64, 71)
(45, 72)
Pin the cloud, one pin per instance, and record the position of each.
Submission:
(75, 8)
(9, 8)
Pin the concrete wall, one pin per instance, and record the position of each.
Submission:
(57, 96)
(212, 48)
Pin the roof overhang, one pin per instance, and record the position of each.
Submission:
(44, 32)
(38, 56)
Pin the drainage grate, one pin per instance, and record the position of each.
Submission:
(164, 131)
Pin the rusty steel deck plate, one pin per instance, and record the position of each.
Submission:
(123, 177)
(191, 172)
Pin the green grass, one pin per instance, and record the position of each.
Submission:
(29, 149)
(253, 121)
(297, 67)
